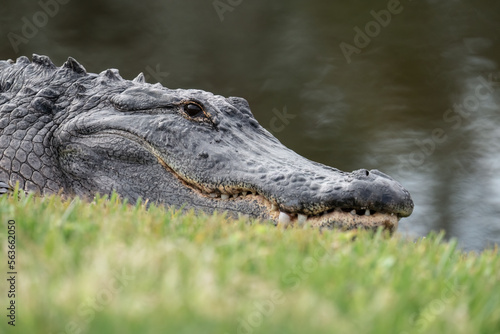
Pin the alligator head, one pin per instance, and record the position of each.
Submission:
(193, 149)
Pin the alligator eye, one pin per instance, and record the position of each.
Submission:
(193, 110)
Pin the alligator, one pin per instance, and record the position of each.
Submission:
(66, 131)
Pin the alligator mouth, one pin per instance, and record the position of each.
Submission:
(345, 218)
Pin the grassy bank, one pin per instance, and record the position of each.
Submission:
(110, 267)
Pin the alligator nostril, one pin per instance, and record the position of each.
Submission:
(367, 172)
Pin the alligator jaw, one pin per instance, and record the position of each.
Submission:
(344, 219)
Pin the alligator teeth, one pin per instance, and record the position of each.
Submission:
(244, 193)
(213, 195)
(224, 196)
(236, 195)
(284, 218)
(301, 219)
(367, 212)
(353, 212)
(274, 207)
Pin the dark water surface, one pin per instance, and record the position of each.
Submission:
(411, 88)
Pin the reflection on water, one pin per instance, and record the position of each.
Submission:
(418, 99)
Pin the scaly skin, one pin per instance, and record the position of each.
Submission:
(64, 129)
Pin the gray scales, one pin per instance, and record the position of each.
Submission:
(62, 128)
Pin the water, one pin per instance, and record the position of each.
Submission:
(417, 97)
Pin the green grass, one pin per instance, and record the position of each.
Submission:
(110, 267)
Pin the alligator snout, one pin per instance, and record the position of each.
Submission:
(377, 191)
(300, 186)
(347, 200)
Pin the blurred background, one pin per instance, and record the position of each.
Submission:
(411, 88)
